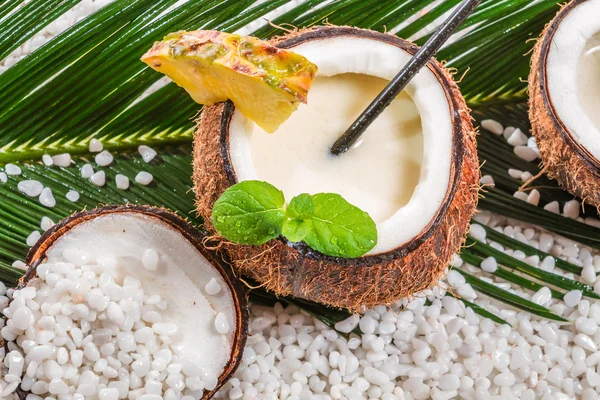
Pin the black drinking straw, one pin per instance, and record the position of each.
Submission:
(399, 82)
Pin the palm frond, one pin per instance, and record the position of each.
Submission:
(98, 89)
(20, 22)
(44, 111)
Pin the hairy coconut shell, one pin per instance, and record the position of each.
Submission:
(37, 255)
(294, 269)
(564, 158)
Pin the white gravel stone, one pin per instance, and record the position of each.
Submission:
(33, 238)
(47, 160)
(72, 195)
(147, 153)
(87, 171)
(526, 153)
(143, 178)
(515, 173)
(572, 298)
(122, 182)
(553, 206)
(47, 198)
(150, 260)
(533, 197)
(99, 178)
(489, 265)
(487, 180)
(95, 146)
(517, 138)
(3, 177)
(104, 158)
(62, 160)
(31, 188)
(12, 169)
(571, 209)
(212, 287)
(221, 324)
(493, 126)
(349, 324)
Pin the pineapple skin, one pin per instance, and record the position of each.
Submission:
(265, 83)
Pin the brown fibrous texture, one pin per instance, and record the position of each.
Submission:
(564, 159)
(342, 283)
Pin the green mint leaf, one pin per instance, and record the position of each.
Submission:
(295, 230)
(340, 229)
(301, 206)
(296, 223)
(249, 212)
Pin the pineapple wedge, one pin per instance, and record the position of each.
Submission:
(266, 83)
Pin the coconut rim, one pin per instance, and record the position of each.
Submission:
(559, 126)
(457, 150)
(37, 253)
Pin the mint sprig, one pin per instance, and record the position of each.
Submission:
(253, 212)
(250, 212)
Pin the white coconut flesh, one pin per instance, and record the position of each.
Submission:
(573, 74)
(399, 170)
(180, 278)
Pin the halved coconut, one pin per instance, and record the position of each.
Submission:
(184, 268)
(564, 89)
(415, 170)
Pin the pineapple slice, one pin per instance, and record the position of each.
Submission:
(266, 83)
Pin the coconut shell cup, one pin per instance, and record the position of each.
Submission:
(296, 270)
(563, 157)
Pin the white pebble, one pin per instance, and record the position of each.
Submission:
(31, 188)
(3, 177)
(572, 298)
(62, 160)
(95, 146)
(493, 126)
(212, 287)
(477, 232)
(47, 160)
(108, 393)
(33, 238)
(143, 178)
(571, 209)
(147, 153)
(122, 182)
(221, 324)
(72, 195)
(349, 324)
(12, 169)
(534, 197)
(46, 223)
(23, 318)
(150, 260)
(552, 207)
(526, 153)
(47, 198)
(517, 138)
(99, 178)
(487, 180)
(87, 171)
(104, 158)
(489, 265)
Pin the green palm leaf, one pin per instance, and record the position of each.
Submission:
(88, 82)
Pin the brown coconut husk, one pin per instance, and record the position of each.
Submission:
(565, 160)
(296, 270)
(37, 255)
